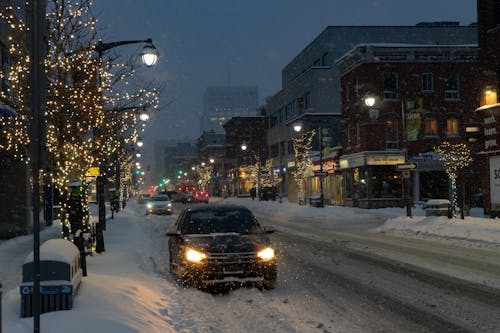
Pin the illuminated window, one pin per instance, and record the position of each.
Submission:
(430, 127)
(452, 127)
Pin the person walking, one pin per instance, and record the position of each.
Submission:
(253, 193)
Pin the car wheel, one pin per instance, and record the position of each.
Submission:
(270, 281)
(270, 284)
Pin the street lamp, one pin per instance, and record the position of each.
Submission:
(370, 101)
(297, 127)
(149, 56)
(139, 142)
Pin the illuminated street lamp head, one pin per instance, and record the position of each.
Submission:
(369, 100)
(138, 155)
(244, 146)
(149, 55)
(143, 116)
(139, 142)
(212, 160)
(297, 127)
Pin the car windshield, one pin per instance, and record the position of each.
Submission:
(220, 221)
(160, 198)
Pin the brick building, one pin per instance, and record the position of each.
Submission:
(488, 109)
(252, 132)
(311, 90)
(423, 95)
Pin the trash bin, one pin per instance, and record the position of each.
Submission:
(315, 201)
(438, 207)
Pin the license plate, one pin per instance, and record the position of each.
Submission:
(234, 268)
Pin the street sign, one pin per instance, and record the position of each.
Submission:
(406, 166)
(321, 174)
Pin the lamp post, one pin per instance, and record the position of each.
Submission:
(370, 100)
(149, 56)
(297, 127)
(244, 147)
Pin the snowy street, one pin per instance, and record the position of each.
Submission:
(336, 274)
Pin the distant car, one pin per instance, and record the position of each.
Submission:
(213, 244)
(159, 204)
(201, 196)
(143, 198)
(179, 196)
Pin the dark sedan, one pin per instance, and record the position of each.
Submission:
(221, 244)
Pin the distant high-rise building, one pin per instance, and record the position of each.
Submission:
(221, 103)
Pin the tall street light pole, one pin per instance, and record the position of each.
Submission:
(36, 15)
(149, 56)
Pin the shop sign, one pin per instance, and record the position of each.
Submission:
(490, 132)
(495, 182)
(385, 160)
(94, 171)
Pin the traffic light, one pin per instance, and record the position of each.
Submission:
(137, 171)
(180, 172)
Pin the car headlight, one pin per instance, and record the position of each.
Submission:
(266, 254)
(194, 256)
(150, 205)
(169, 204)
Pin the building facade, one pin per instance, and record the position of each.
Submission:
(422, 96)
(221, 103)
(487, 149)
(248, 133)
(311, 87)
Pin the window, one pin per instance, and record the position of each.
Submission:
(427, 82)
(452, 127)
(324, 59)
(391, 140)
(358, 134)
(451, 87)
(430, 127)
(390, 86)
(307, 100)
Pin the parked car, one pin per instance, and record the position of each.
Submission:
(201, 196)
(213, 244)
(159, 204)
(179, 196)
(143, 198)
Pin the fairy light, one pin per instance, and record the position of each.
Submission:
(81, 131)
(301, 147)
(455, 157)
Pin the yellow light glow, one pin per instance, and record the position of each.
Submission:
(266, 254)
(194, 256)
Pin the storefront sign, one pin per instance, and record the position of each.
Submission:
(385, 160)
(495, 182)
(490, 132)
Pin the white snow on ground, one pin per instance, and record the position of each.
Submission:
(124, 292)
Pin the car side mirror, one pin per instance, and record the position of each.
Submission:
(268, 229)
(172, 232)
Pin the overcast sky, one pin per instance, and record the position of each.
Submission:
(242, 42)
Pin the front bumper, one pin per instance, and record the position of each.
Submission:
(211, 271)
(160, 211)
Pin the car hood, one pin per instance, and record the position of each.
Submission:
(227, 242)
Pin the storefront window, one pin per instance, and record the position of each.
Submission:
(386, 182)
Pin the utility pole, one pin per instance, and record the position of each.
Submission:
(36, 16)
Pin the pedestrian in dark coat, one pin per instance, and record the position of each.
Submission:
(253, 193)
(79, 242)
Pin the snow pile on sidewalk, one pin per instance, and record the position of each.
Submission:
(480, 231)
